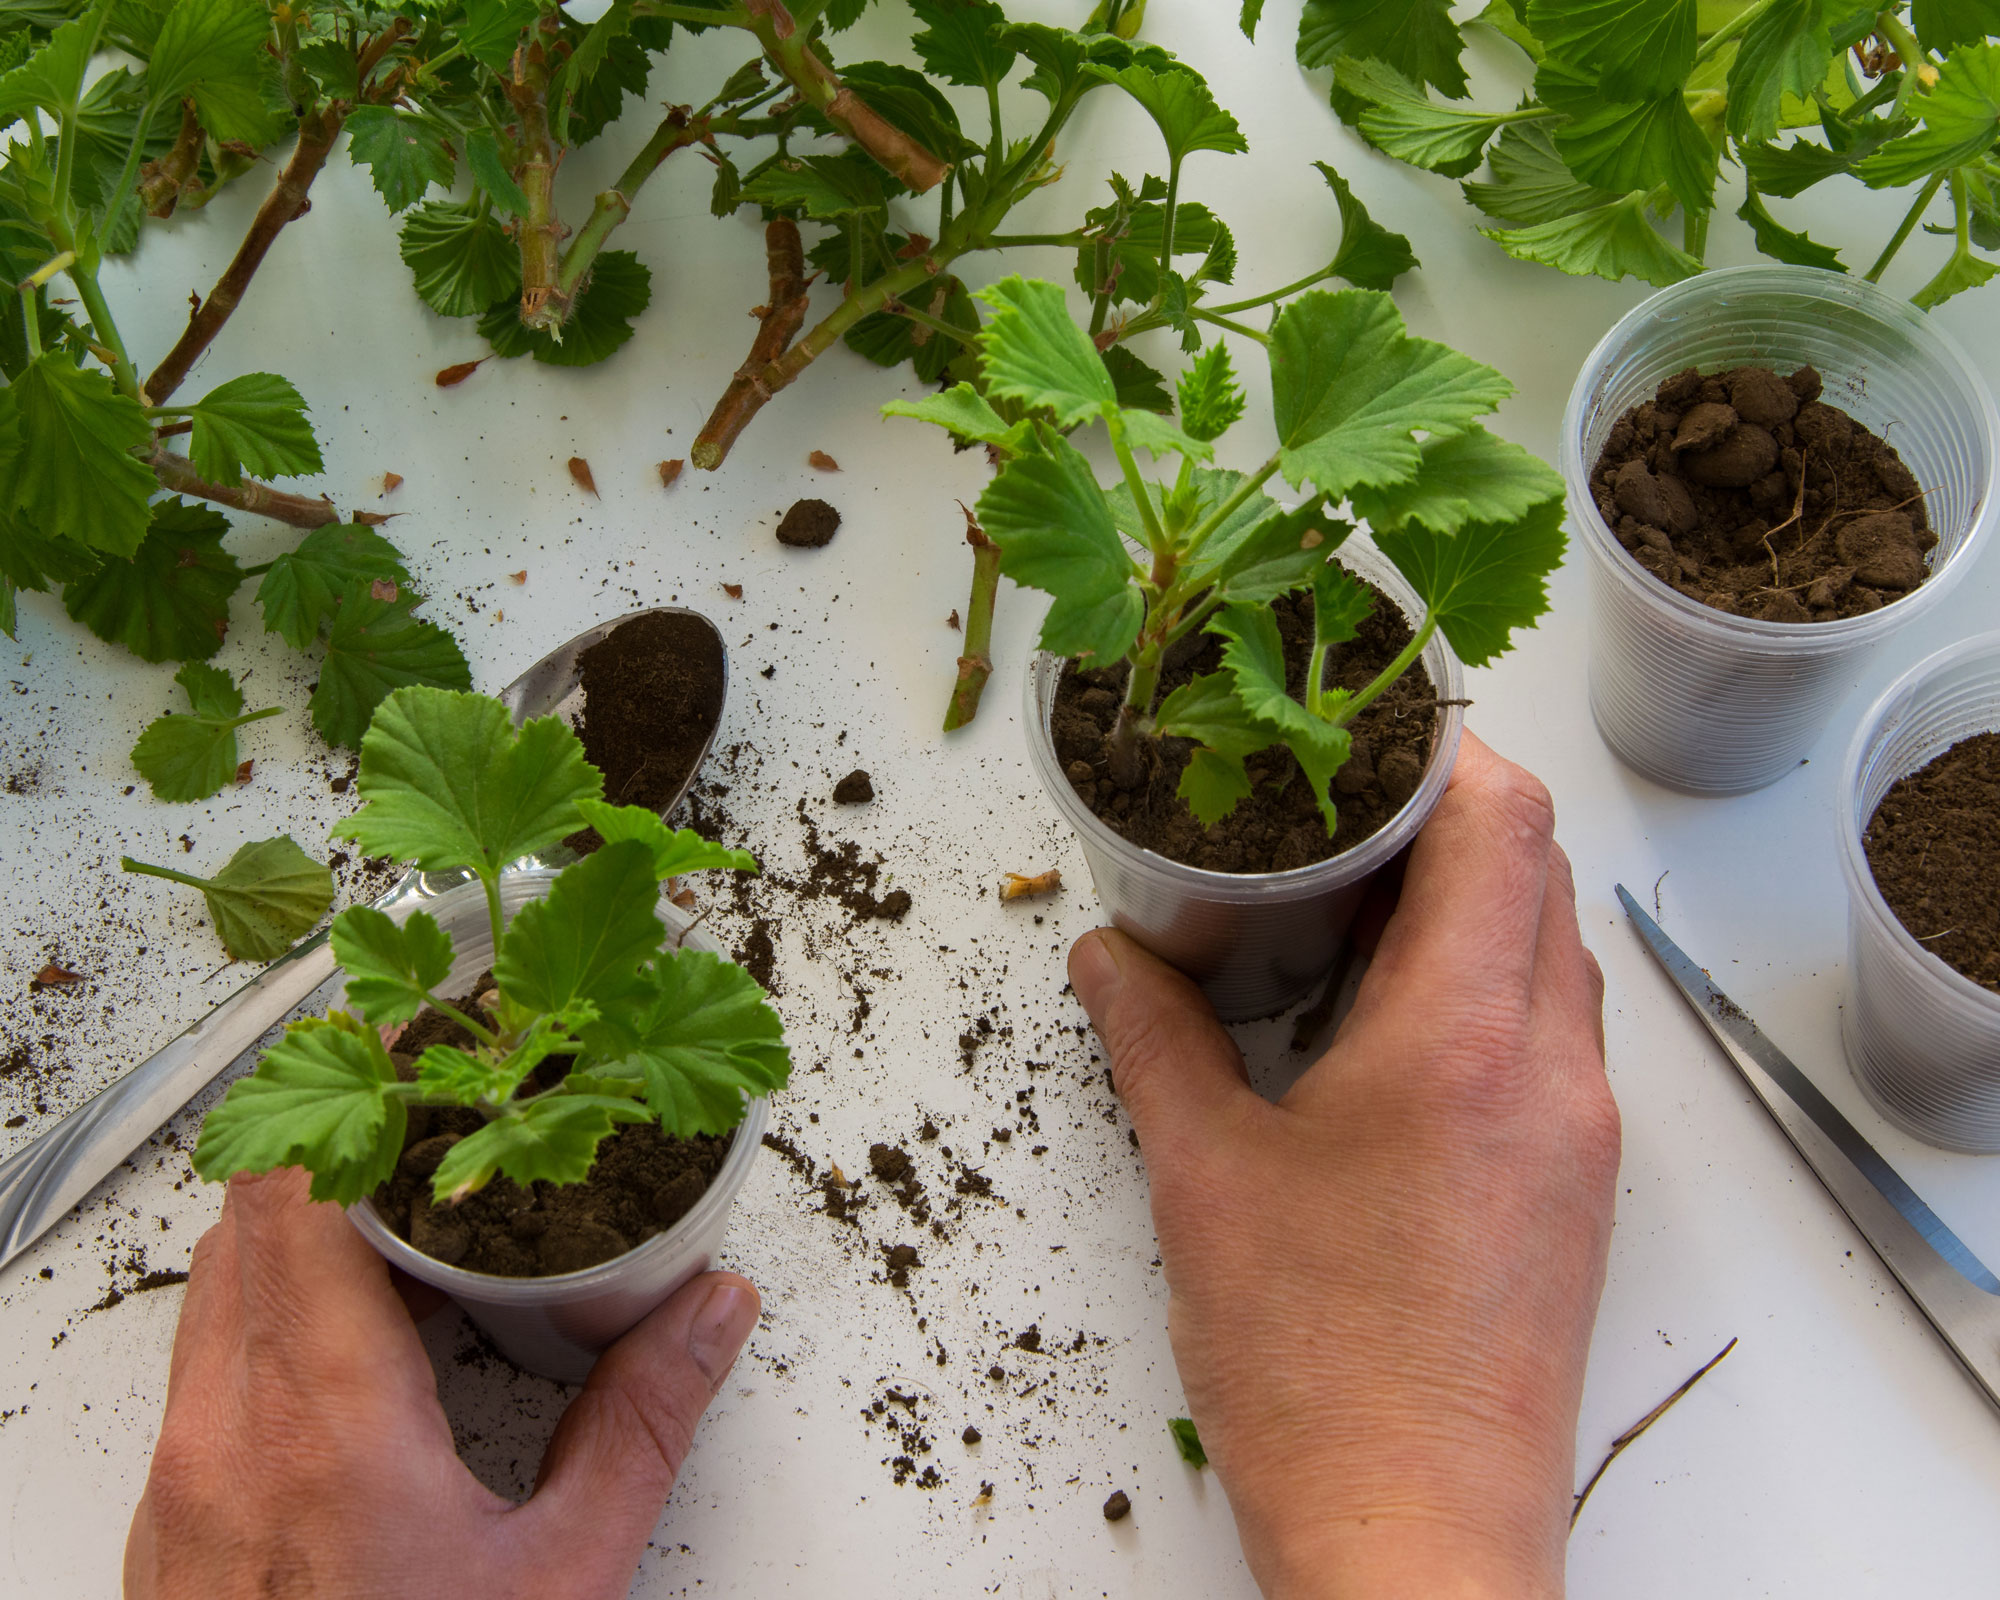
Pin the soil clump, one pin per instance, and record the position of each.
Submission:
(1934, 848)
(1279, 826)
(642, 1183)
(809, 525)
(652, 695)
(1746, 492)
(857, 788)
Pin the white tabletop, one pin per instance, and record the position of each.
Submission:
(1839, 1452)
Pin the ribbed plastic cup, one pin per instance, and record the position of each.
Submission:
(1710, 703)
(1255, 942)
(1923, 1039)
(558, 1326)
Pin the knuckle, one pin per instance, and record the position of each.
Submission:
(1524, 803)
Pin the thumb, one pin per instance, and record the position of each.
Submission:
(614, 1456)
(1171, 1062)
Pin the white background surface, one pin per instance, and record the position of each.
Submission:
(1838, 1452)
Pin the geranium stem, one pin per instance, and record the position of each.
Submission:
(975, 666)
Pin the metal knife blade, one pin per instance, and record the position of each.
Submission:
(1953, 1288)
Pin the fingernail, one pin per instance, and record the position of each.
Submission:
(1094, 973)
(719, 1328)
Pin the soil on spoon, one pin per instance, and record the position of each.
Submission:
(1279, 826)
(1746, 492)
(642, 1182)
(652, 695)
(1934, 848)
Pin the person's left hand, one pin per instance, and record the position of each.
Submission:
(304, 1452)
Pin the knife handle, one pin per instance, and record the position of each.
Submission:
(40, 1182)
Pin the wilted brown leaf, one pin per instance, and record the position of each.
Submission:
(918, 245)
(53, 974)
(1019, 886)
(518, 577)
(243, 769)
(733, 590)
(391, 481)
(825, 462)
(579, 469)
(451, 377)
(952, 622)
(684, 898)
(670, 470)
(375, 519)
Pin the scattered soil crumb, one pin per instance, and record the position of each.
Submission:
(1118, 1507)
(809, 525)
(854, 789)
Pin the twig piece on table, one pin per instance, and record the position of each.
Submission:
(1019, 886)
(1630, 1434)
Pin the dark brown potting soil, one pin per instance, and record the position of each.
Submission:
(652, 694)
(1279, 826)
(1746, 492)
(642, 1183)
(856, 789)
(1934, 847)
(809, 524)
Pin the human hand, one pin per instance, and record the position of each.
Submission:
(304, 1453)
(1383, 1286)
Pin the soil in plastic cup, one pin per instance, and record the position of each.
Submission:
(1922, 1039)
(1255, 942)
(558, 1326)
(1710, 703)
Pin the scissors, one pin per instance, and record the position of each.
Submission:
(1951, 1286)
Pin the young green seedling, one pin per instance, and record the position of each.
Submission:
(652, 1033)
(1366, 415)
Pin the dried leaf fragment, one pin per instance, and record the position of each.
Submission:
(383, 589)
(451, 377)
(823, 461)
(391, 481)
(579, 469)
(374, 519)
(243, 770)
(1020, 886)
(53, 974)
(670, 470)
(733, 590)
(684, 898)
(953, 623)
(518, 577)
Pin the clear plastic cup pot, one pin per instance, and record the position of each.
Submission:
(558, 1326)
(1923, 1039)
(1710, 703)
(1255, 942)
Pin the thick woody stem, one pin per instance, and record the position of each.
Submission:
(817, 83)
(161, 181)
(544, 304)
(778, 324)
(176, 473)
(976, 665)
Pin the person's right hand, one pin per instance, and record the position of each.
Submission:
(1383, 1286)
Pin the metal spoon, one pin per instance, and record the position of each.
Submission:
(39, 1183)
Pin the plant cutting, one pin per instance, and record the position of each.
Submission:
(1365, 415)
(1636, 105)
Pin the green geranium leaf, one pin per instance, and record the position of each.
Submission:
(1182, 106)
(674, 850)
(1961, 122)
(1529, 183)
(374, 647)
(448, 783)
(270, 892)
(460, 1078)
(1208, 710)
(1186, 1439)
(1254, 656)
(1341, 603)
(553, 1141)
(1785, 51)
(1465, 477)
(1780, 243)
(703, 1039)
(1037, 355)
(492, 29)
(1483, 581)
(460, 258)
(216, 51)
(1211, 399)
(392, 967)
(1622, 145)
(1212, 783)
(489, 170)
(405, 154)
(961, 41)
(1350, 389)
(1247, 20)
(1148, 430)
(1049, 517)
(1415, 37)
(170, 602)
(1370, 256)
(1138, 386)
(52, 77)
(1282, 553)
(190, 757)
(318, 1099)
(304, 587)
(962, 410)
(585, 940)
(824, 188)
(1945, 24)
(1134, 266)
(255, 423)
(1402, 121)
(1963, 271)
(619, 289)
(76, 474)
(1634, 48)
(1614, 241)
